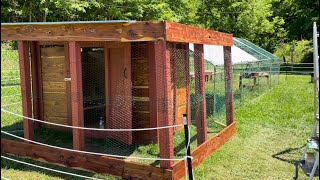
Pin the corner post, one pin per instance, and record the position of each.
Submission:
(164, 96)
(201, 112)
(76, 95)
(228, 84)
(152, 46)
(24, 65)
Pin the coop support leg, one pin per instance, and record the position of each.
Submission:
(24, 65)
(76, 95)
(36, 82)
(201, 113)
(228, 84)
(164, 99)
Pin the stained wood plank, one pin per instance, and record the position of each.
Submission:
(228, 84)
(76, 160)
(205, 150)
(140, 92)
(164, 94)
(36, 73)
(120, 93)
(201, 112)
(76, 95)
(140, 106)
(176, 32)
(24, 66)
(117, 31)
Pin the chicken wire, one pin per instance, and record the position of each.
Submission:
(116, 94)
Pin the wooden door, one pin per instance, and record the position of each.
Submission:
(53, 73)
(119, 107)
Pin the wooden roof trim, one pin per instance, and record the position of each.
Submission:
(176, 32)
(111, 31)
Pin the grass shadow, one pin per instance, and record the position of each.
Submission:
(286, 154)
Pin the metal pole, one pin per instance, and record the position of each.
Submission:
(187, 140)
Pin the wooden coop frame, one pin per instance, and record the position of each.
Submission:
(158, 35)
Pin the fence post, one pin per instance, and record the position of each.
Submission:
(187, 140)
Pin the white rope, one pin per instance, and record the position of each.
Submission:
(54, 170)
(93, 153)
(84, 128)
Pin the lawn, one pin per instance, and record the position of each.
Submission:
(271, 131)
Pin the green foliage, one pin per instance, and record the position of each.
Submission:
(302, 51)
(264, 22)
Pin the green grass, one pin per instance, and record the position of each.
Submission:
(271, 130)
(269, 121)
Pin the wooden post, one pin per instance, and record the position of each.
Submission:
(152, 47)
(36, 82)
(76, 95)
(187, 66)
(201, 112)
(164, 100)
(228, 84)
(24, 65)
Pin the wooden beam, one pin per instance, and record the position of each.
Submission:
(68, 83)
(187, 70)
(201, 111)
(205, 150)
(164, 96)
(176, 32)
(76, 95)
(114, 31)
(88, 162)
(228, 84)
(153, 103)
(94, 31)
(36, 88)
(24, 65)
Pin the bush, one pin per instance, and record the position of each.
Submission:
(302, 51)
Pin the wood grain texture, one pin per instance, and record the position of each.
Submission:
(165, 109)
(76, 160)
(117, 31)
(176, 32)
(228, 84)
(120, 93)
(53, 72)
(201, 110)
(205, 150)
(76, 95)
(24, 66)
(36, 88)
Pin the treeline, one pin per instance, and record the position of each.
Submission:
(268, 23)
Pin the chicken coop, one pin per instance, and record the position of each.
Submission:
(123, 82)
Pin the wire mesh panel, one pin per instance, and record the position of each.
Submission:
(10, 87)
